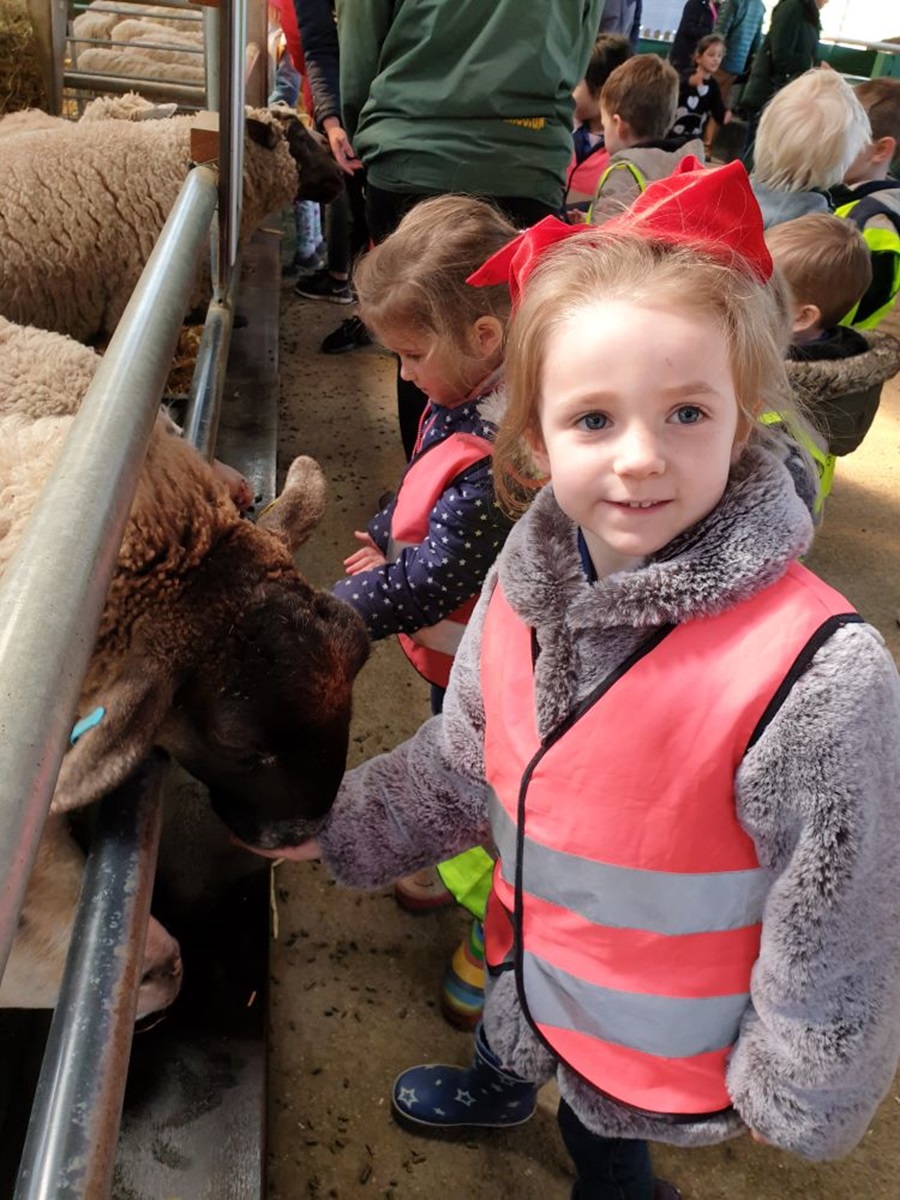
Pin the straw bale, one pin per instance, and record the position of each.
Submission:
(21, 84)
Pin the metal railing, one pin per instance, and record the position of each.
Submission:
(64, 1156)
(51, 602)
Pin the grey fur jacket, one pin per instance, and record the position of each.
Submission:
(819, 793)
(818, 379)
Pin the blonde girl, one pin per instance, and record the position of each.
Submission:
(685, 745)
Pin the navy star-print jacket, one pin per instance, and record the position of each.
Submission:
(465, 532)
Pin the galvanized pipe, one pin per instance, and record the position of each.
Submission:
(152, 89)
(128, 9)
(54, 588)
(211, 51)
(880, 47)
(201, 418)
(112, 44)
(233, 39)
(70, 1148)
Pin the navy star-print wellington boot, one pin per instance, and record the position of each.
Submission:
(436, 1097)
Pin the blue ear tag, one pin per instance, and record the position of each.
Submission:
(86, 723)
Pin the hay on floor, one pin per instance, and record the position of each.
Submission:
(21, 84)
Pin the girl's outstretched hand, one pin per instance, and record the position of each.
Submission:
(305, 852)
(365, 559)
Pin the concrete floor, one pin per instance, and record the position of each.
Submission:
(355, 979)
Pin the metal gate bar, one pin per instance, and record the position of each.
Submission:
(71, 1144)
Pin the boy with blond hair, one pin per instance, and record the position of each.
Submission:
(637, 108)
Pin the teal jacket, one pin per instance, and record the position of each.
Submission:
(469, 96)
(740, 24)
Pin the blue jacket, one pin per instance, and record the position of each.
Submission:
(465, 533)
(622, 16)
(740, 24)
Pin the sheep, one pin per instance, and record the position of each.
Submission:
(128, 107)
(143, 63)
(81, 207)
(98, 21)
(211, 646)
(136, 32)
(147, 49)
(29, 120)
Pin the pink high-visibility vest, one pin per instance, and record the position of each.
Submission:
(627, 897)
(582, 177)
(427, 477)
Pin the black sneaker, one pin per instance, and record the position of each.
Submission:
(349, 335)
(322, 286)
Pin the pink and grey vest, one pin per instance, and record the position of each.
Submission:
(627, 897)
(426, 479)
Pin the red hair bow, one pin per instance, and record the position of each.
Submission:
(515, 261)
(712, 209)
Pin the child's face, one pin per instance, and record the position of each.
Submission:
(639, 422)
(436, 368)
(872, 162)
(587, 106)
(612, 131)
(711, 58)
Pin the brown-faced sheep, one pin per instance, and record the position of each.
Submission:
(82, 206)
(211, 645)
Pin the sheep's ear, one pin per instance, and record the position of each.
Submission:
(262, 132)
(300, 507)
(156, 112)
(118, 731)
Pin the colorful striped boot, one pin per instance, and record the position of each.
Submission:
(462, 988)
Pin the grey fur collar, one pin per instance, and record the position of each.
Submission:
(492, 405)
(759, 527)
(829, 378)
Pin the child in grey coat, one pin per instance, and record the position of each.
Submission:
(685, 746)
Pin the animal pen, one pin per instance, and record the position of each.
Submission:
(51, 599)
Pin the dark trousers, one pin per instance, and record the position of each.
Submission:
(606, 1168)
(345, 226)
(384, 211)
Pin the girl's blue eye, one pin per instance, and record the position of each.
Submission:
(688, 414)
(594, 421)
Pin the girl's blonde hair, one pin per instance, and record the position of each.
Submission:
(594, 268)
(416, 277)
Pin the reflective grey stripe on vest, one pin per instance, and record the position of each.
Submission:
(660, 1025)
(444, 637)
(627, 898)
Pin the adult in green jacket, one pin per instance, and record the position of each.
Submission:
(471, 96)
(789, 48)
